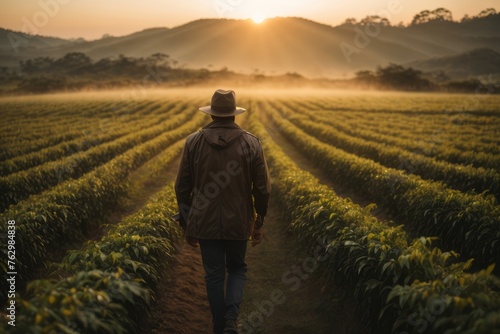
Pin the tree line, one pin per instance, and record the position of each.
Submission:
(398, 77)
(439, 14)
(77, 70)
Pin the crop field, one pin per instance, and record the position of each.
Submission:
(401, 189)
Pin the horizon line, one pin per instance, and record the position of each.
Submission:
(407, 24)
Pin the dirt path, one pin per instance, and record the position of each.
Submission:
(181, 299)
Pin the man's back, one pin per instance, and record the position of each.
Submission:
(222, 178)
(222, 167)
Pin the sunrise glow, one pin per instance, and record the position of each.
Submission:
(91, 19)
(258, 19)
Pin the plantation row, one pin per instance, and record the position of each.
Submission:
(63, 212)
(464, 178)
(108, 130)
(55, 130)
(396, 282)
(468, 224)
(454, 136)
(401, 103)
(111, 281)
(429, 147)
(21, 128)
(453, 131)
(418, 125)
(450, 132)
(20, 185)
(105, 133)
(421, 121)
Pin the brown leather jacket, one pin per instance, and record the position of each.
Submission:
(221, 169)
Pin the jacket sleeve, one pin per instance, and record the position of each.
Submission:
(261, 183)
(184, 186)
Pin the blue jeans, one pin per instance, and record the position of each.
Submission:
(218, 255)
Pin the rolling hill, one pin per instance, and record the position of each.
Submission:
(282, 45)
(473, 63)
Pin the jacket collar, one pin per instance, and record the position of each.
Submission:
(222, 124)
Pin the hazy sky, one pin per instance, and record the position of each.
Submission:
(93, 18)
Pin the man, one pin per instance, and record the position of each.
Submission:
(222, 177)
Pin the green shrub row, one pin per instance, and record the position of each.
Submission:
(94, 138)
(370, 261)
(467, 224)
(446, 153)
(19, 186)
(463, 178)
(46, 220)
(460, 126)
(112, 280)
(33, 137)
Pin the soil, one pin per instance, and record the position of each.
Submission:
(181, 300)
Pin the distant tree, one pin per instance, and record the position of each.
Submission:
(375, 19)
(350, 21)
(160, 59)
(4, 74)
(42, 84)
(466, 18)
(103, 65)
(203, 74)
(124, 60)
(74, 63)
(421, 17)
(465, 85)
(78, 40)
(439, 76)
(36, 65)
(294, 75)
(366, 76)
(487, 12)
(397, 76)
(440, 14)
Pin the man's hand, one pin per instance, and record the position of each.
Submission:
(259, 221)
(193, 242)
(256, 236)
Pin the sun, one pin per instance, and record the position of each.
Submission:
(258, 18)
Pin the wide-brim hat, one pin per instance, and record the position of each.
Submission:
(223, 104)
